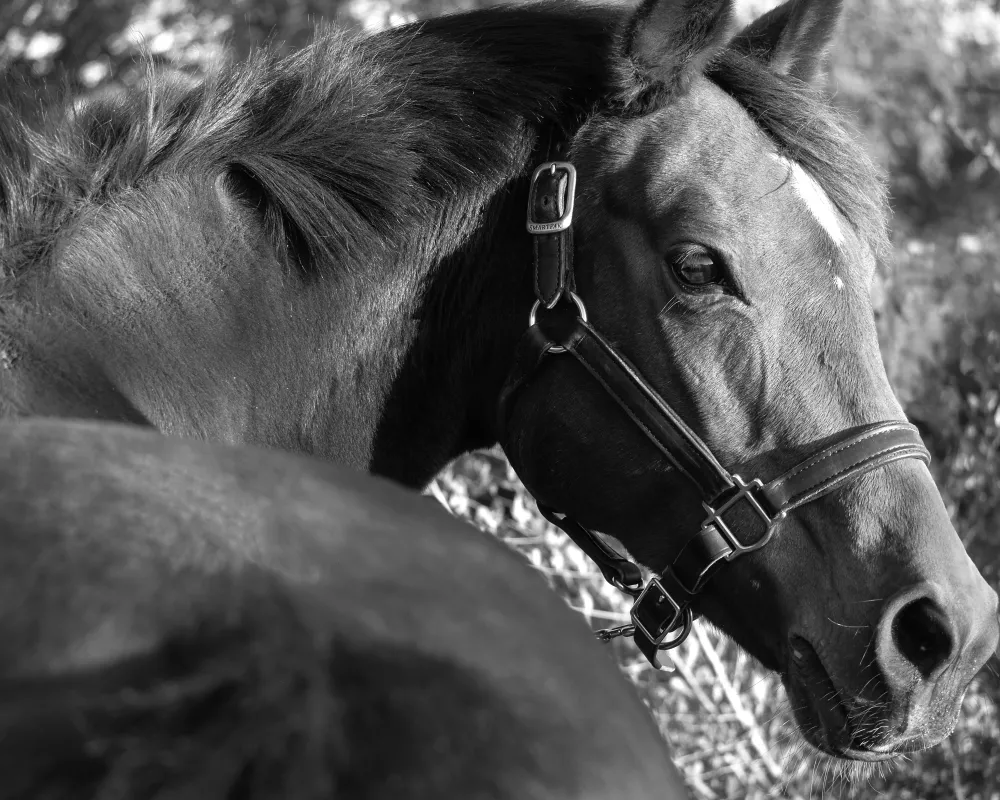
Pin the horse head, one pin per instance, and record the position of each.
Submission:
(727, 228)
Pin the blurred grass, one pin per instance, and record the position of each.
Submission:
(726, 718)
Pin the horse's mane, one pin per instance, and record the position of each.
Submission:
(353, 139)
(359, 142)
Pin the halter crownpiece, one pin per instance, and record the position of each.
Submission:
(661, 615)
(550, 220)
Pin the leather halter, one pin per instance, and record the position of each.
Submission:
(740, 514)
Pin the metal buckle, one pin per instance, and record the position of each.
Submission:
(744, 491)
(566, 219)
(655, 594)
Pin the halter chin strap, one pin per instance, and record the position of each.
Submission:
(740, 514)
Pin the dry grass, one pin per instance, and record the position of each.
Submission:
(725, 717)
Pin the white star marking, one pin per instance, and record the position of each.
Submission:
(816, 200)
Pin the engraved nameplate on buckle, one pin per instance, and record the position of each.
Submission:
(566, 218)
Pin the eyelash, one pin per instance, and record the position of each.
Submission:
(681, 256)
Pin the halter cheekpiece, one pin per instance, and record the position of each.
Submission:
(740, 514)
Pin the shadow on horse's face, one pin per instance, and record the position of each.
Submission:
(739, 290)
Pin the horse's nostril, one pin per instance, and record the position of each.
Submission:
(922, 633)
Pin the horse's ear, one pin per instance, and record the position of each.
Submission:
(668, 41)
(792, 39)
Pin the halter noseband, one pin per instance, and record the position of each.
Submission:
(661, 615)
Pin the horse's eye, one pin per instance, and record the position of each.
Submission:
(696, 267)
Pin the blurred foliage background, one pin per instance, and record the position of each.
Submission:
(922, 78)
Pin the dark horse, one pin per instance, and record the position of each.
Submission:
(191, 620)
(327, 253)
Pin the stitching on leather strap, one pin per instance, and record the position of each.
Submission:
(836, 451)
(703, 460)
(631, 414)
(560, 266)
(538, 273)
(898, 453)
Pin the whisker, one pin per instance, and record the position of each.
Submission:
(844, 625)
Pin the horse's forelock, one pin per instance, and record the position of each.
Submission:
(804, 126)
(810, 131)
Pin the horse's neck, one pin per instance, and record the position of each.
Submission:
(475, 302)
(40, 378)
(474, 305)
(398, 372)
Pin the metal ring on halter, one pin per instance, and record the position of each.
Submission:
(631, 591)
(687, 621)
(581, 312)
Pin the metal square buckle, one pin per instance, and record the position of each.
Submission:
(745, 491)
(650, 604)
(566, 219)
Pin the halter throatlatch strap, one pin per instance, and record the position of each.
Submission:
(619, 572)
(740, 515)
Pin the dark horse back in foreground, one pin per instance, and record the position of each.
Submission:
(327, 253)
(183, 620)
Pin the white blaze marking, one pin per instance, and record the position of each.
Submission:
(839, 281)
(816, 200)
